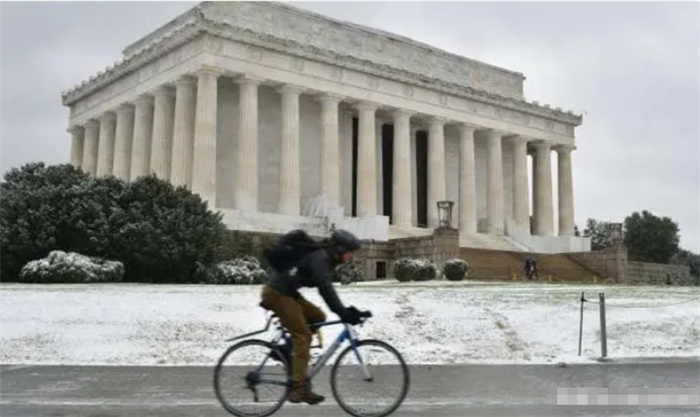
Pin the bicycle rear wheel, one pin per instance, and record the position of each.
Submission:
(370, 380)
(251, 379)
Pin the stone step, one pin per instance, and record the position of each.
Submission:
(485, 241)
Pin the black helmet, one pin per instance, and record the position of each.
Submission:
(344, 241)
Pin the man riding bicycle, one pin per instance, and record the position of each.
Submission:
(280, 294)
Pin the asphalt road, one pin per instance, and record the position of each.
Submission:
(436, 391)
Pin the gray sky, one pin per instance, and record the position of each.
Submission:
(631, 68)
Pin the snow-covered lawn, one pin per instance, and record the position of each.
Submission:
(433, 322)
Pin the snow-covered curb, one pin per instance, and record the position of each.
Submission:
(429, 322)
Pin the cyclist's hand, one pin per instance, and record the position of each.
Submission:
(355, 316)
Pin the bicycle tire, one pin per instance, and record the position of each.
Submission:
(403, 367)
(217, 383)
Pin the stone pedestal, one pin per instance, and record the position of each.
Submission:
(445, 247)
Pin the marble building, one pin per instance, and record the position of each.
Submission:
(284, 118)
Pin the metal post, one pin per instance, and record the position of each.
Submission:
(580, 326)
(603, 331)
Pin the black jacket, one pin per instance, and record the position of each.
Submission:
(314, 270)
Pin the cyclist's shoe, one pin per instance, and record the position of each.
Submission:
(301, 393)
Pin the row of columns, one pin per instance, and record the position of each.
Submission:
(173, 135)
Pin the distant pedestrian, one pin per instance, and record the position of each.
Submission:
(530, 269)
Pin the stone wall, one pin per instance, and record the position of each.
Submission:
(643, 273)
(439, 247)
(613, 265)
(377, 259)
(608, 263)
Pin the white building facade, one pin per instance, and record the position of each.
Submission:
(283, 118)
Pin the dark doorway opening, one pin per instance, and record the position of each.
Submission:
(388, 170)
(354, 165)
(422, 178)
(380, 271)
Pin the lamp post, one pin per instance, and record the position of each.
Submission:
(616, 236)
(445, 214)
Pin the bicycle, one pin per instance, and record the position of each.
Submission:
(278, 356)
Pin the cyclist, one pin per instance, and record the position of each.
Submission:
(280, 294)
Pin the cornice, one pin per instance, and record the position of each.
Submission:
(197, 25)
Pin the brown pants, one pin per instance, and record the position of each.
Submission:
(295, 314)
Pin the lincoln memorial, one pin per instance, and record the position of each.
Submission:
(283, 118)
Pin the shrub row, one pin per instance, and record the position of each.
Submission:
(61, 267)
(159, 233)
(408, 269)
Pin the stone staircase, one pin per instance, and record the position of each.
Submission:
(398, 232)
(489, 264)
(560, 267)
(502, 265)
(485, 241)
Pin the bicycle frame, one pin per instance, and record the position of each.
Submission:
(348, 334)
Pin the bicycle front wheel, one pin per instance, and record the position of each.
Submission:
(370, 379)
(252, 379)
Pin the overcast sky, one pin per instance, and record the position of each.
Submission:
(630, 68)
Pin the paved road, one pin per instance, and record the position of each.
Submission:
(437, 391)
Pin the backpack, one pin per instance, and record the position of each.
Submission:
(290, 250)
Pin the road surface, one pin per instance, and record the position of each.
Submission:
(436, 391)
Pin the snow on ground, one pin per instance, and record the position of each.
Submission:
(430, 323)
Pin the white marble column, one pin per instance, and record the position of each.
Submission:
(467, 180)
(436, 168)
(366, 161)
(289, 183)
(246, 191)
(90, 146)
(566, 191)
(76, 147)
(330, 148)
(204, 149)
(141, 146)
(105, 159)
(123, 142)
(162, 144)
(183, 131)
(544, 216)
(521, 192)
(401, 199)
(494, 192)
